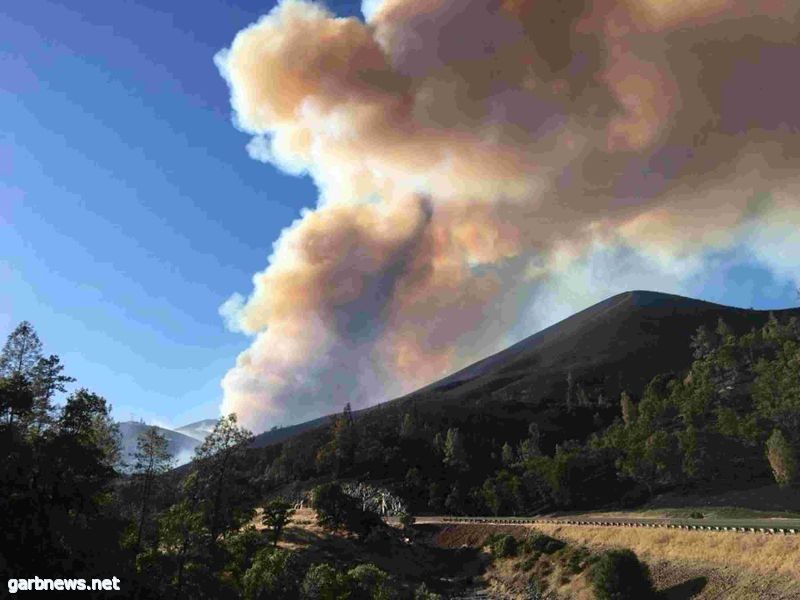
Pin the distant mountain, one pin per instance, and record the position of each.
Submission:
(199, 430)
(181, 446)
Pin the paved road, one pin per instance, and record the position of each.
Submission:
(766, 526)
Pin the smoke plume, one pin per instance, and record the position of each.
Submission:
(477, 160)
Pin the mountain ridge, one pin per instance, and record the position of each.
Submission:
(639, 324)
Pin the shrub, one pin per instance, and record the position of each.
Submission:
(502, 545)
(368, 582)
(241, 548)
(782, 459)
(332, 505)
(336, 510)
(529, 562)
(422, 593)
(323, 582)
(406, 520)
(577, 560)
(274, 575)
(619, 575)
(696, 515)
(539, 542)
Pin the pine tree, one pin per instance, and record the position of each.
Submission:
(454, 454)
(22, 355)
(570, 390)
(723, 330)
(47, 378)
(782, 459)
(583, 397)
(152, 460)
(21, 352)
(344, 440)
(214, 462)
(16, 398)
(507, 455)
(703, 342)
(86, 417)
(628, 408)
(407, 426)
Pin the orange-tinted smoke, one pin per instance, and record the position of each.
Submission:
(467, 153)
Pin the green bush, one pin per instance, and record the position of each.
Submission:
(336, 511)
(502, 545)
(274, 575)
(368, 582)
(619, 575)
(539, 542)
(577, 560)
(332, 505)
(696, 515)
(529, 562)
(323, 582)
(422, 593)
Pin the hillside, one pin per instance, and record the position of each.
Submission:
(180, 445)
(199, 429)
(539, 426)
(619, 343)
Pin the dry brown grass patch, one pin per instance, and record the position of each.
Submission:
(756, 553)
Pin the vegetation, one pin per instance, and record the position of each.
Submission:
(782, 459)
(733, 417)
(275, 516)
(707, 426)
(619, 575)
(544, 544)
(502, 545)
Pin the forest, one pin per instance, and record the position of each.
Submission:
(70, 507)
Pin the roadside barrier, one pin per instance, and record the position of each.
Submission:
(586, 523)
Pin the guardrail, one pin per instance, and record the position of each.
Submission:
(612, 523)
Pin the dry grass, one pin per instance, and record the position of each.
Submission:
(755, 552)
(732, 566)
(506, 578)
(684, 564)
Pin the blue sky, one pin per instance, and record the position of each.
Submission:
(130, 210)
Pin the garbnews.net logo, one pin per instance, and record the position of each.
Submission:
(63, 585)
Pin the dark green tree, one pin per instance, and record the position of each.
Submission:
(274, 575)
(332, 506)
(152, 459)
(782, 459)
(455, 456)
(323, 582)
(619, 575)
(368, 582)
(216, 463)
(628, 408)
(276, 515)
(47, 378)
(16, 398)
(21, 352)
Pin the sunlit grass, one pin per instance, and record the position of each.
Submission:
(758, 553)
